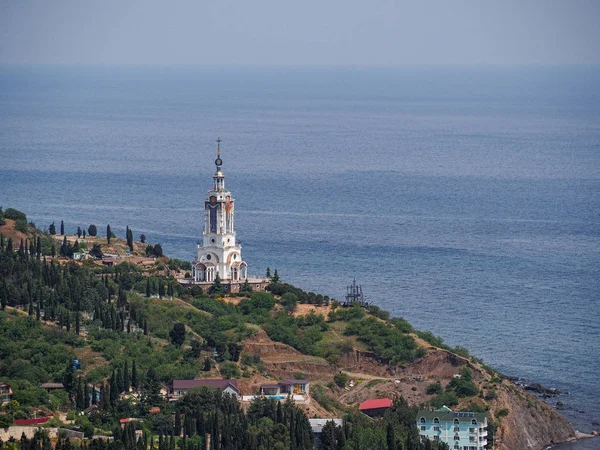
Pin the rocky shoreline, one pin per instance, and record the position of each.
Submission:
(544, 393)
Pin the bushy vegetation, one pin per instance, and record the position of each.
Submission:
(385, 340)
(459, 388)
(279, 288)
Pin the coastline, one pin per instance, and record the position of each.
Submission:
(579, 438)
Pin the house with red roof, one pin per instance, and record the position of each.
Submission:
(180, 387)
(375, 407)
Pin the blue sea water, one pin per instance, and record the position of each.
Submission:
(465, 200)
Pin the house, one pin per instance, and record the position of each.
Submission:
(180, 387)
(460, 430)
(6, 392)
(286, 387)
(52, 386)
(375, 407)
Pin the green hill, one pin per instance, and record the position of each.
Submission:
(132, 330)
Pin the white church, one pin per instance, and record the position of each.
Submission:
(218, 253)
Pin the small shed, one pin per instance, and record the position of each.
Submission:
(375, 407)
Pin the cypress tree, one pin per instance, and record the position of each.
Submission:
(77, 324)
(52, 229)
(145, 328)
(126, 378)
(108, 234)
(38, 247)
(62, 227)
(134, 375)
(391, 438)
(148, 287)
(161, 289)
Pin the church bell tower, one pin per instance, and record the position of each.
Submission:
(218, 252)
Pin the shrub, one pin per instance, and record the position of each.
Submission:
(434, 388)
(229, 370)
(258, 301)
(447, 398)
(491, 395)
(347, 314)
(341, 379)
(289, 301)
(502, 413)
(92, 230)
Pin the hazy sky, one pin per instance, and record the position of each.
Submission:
(300, 32)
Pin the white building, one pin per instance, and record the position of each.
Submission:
(218, 252)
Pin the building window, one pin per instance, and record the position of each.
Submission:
(471, 430)
(436, 420)
(436, 438)
(423, 427)
(456, 429)
(457, 438)
(436, 428)
(474, 422)
(471, 438)
(456, 421)
(422, 419)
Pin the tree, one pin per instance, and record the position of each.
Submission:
(148, 293)
(79, 232)
(152, 388)
(129, 236)
(341, 379)
(143, 238)
(177, 334)
(92, 230)
(268, 272)
(108, 234)
(52, 229)
(96, 251)
(62, 227)
(275, 278)
(196, 347)
(391, 438)
(229, 370)
(217, 288)
(246, 286)
(289, 301)
(207, 365)
(134, 375)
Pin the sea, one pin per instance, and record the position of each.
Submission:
(464, 199)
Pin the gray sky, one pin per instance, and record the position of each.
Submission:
(300, 32)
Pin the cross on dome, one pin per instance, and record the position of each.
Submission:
(219, 161)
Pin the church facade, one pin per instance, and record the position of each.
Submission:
(218, 253)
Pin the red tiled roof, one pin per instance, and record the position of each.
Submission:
(216, 383)
(375, 404)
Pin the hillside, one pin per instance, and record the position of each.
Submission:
(114, 318)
